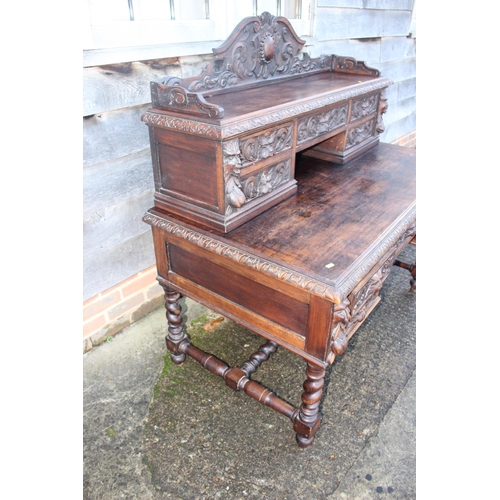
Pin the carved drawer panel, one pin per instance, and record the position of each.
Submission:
(319, 124)
(255, 165)
(257, 147)
(360, 133)
(366, 106)
(266, 180)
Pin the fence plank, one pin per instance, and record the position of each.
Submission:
(119, 263)
(116, 181)
(110, 135)
(332, 24)
(115, 86)
(111, 226)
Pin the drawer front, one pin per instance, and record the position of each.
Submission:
(266, 180)
(261, 146)
(361, 108)
(256, 165)
(267, 302)
(360, 132)
(319, 124)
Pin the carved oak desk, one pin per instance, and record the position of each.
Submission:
(304, 274)
(224, 143)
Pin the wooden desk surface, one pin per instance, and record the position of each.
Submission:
(252, 101)
(340, 214)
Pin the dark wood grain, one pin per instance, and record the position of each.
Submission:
(259, 298)
(253, 101)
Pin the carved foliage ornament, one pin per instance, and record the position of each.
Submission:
(266, 181)
(259, 147)
(232, 165)
(238, 153)
(359, 133)
(353, 309)
(382, 108)
(364, 107)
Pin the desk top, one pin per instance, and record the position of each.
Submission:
(347, 215)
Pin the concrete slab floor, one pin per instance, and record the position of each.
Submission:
(155, 430)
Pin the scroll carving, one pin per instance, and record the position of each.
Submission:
(179, 99)
(260, 48)
(316, 125)
(351, 65)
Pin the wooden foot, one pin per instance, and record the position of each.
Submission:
(175, 335)
(308, 419)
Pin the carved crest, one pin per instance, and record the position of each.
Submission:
(260, 49)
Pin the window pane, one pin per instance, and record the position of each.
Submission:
(292, 9)
(109, 10)
(190, 9)
(151, 10)
(267, 6)
(242, 9)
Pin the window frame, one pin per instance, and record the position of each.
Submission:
(125, 41)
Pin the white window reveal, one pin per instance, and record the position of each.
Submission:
(132, 23)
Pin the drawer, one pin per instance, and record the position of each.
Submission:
(261, 146)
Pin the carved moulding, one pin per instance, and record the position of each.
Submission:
(192, 126)
(405, 231)
(319, 124)
(281, 273)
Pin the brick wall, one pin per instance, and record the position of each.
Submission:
(408, 140)
(111, 311)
